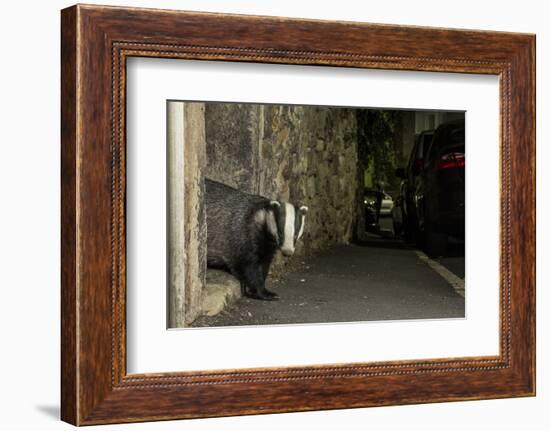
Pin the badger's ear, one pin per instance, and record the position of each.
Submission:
(304, 209)
(275, 204)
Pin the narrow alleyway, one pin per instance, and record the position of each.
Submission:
(382, 280)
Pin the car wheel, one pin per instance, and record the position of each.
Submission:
(397, 229)
(435, 243)
(409, 232)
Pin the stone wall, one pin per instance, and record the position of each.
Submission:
(301, 154)
(232, 144)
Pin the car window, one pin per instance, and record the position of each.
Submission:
(426, 141)
(446, 138)
(419, 153)
(413, 152)
(454, 141)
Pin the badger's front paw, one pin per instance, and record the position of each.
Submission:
(264, 295)
(268, 295)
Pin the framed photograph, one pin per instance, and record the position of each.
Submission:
(267, 215)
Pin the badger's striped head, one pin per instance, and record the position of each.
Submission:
(286, 223)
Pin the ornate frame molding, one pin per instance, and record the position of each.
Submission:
(96, 41)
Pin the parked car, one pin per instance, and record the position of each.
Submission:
(410, 176)
(397, 217)
(435, 205)
(386, 205)
(442, 190)
(373, 203)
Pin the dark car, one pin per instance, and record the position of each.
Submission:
(407, 218)
(434, 198)
(373, 203)
(442, 191)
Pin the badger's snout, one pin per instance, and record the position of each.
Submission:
(287, 251)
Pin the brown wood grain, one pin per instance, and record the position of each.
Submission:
(69, 367)
(96, 41)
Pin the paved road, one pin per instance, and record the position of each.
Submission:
(383, 279)
(453, 259)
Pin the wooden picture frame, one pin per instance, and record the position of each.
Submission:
(95, 43)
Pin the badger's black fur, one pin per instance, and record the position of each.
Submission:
(244, 232)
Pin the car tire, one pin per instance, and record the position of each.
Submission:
(435, 243)
(409, 232)
(397, 229)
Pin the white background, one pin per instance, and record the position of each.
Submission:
(29, 216)
(151, 348)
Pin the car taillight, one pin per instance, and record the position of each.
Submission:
(451, 160)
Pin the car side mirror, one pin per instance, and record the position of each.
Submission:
(400, 173)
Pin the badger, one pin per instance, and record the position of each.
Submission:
(244, 231)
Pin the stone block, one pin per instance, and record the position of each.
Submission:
(221, 290)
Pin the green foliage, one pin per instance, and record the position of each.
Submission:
(377, 131)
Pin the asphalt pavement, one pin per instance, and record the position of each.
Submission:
(382, 279)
